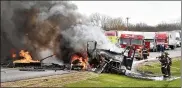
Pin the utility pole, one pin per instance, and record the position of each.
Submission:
(127, 18)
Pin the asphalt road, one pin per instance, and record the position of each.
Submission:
(172, 53)
(12, 74)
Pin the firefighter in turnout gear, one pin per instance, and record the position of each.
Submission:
(145, 52)
(166, 62)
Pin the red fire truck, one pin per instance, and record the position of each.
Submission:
(131, 38)
(161, 38)
(135, 39)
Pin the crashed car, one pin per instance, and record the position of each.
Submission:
(109, 61)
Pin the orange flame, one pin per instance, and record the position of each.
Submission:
(26, 57)
(83, 61)
(13, 55)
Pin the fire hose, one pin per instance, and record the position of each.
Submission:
(165, 67)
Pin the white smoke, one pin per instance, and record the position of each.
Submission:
(47, 52)
(80, 34)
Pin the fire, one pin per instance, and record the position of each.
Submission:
(26, 57)
(13, 55)
(83, 61)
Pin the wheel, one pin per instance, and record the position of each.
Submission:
(180, 44)
(172, 47)
(154, 50)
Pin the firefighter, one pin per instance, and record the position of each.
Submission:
(169, 63)
(165, 64)
(144, 52)
(127, 56)
(162, 48)
(130, 57)
(139, 53)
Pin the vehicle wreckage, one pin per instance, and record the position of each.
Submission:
(97, 60)
(25, 63)
(109, 61)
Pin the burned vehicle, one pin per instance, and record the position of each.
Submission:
(79, 61)
(23, 60)
(102, 60)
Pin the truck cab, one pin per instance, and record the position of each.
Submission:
(161, 38)
(125, 40)
(132, 38)
(137, 41)
(149, 37)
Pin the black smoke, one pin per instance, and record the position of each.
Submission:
(46, 27)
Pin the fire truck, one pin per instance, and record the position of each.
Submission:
(133, 38)
(161, 38)
(112, 36)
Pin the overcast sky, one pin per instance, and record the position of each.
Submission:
(150, 12)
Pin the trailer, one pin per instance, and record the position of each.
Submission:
(178, 39)
(172, 39)
(150, 38)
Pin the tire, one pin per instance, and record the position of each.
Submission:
(172, 47)
(154, 50)
(180, 44)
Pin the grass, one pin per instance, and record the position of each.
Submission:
(111, 80)
(108, 80)
(51, 81)
(89, 79)
(155, 68)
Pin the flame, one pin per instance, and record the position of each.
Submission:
(13, 55)
(26, 57)
(83, 61)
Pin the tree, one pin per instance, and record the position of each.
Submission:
(115, 24)
(106, 22)
(95, 19)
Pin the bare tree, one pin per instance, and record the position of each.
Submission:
(115, 24)
(95, 19)
(106, 22)
(109, 23)
(141, 27)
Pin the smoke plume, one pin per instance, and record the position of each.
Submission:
(47, 27)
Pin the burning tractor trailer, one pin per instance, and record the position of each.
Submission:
(94, 59)
(24, 61)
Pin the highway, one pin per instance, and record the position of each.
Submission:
(172, 53)
(13, 74)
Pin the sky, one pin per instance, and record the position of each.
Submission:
(149, 12)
